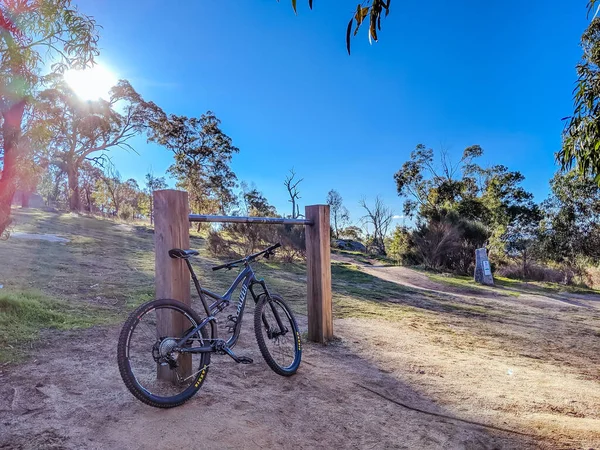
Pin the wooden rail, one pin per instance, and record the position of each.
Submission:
(249, 219)
(171, 230)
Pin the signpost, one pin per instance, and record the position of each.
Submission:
(483, 270)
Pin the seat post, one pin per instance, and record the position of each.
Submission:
(193, 274)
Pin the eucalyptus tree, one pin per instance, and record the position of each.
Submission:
(83, 130)
(368, 11)
(581, 138)
(202, 164)
(33, 32)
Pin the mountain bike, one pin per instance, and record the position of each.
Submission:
(165, 346)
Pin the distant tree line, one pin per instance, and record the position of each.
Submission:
(456, 207)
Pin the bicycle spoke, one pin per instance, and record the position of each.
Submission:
(282, 347)
(148, 332)
(157, 368)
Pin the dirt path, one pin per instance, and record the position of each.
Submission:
(498, 372)
(411, 278)
(524, 358)
(71, 396)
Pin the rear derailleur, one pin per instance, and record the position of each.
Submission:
(162, 352)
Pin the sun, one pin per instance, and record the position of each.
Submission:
(92, 83)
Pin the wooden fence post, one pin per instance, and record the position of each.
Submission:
(318, 265)
(172, 278)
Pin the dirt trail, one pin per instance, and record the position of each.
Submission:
(71, 396)
(522, 374)
(417, 280)
(519, 356)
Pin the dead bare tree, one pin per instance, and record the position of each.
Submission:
(292, 188)
(339, 213)
(380, 217)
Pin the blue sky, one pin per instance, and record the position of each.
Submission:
(451, 74)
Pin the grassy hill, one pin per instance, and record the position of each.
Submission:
(107, 268)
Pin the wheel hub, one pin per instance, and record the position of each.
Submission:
(163, 354)
(166, 347)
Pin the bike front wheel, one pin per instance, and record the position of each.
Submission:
(277, 335)
(152, 363)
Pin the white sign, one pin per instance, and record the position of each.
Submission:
(486, 268)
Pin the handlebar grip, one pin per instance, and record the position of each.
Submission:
(222, 266)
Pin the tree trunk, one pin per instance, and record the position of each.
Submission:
(88, 198)
(74, 200)
(25, 196)
(11, 133)
(335, 226)
(56, 190)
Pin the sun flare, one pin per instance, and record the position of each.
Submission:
(92, 83)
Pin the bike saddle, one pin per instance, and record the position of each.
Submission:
(184, 254)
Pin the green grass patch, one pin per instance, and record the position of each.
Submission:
(349, 280)
(365, 258)
(509, 286)
(24, 314)
(544, 287)
(346, 306)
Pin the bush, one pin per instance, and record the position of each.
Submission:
(448, 243)
(217, 245)
(536, 272)
(592, 277)
(402, 248)
(436, 242)
(375, 246)
(127, 212)
(293, 241)
(249, 238)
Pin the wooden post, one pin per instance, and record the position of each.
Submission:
(172, 278)
(318, 264)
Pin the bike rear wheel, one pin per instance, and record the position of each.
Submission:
(277, 335)
(152, 368)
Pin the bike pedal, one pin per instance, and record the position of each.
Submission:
(236, 358)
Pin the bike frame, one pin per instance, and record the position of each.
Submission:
(248, 279)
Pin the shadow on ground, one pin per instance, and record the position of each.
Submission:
(337, 400)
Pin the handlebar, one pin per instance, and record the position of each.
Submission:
(268, 251)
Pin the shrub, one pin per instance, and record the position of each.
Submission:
(249, 238)
(592, 277)
(127, 212)
(435, 242)
(293, 241)
(217, 245)
(402, 248)
(536, 272)
(447, 243)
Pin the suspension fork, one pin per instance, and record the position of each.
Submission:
(282, 328)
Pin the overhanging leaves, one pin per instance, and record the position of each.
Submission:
(372, 8)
